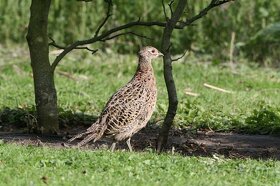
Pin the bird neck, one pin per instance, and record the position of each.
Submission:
(144, 64)
(144, 69)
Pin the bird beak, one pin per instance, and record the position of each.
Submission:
(160, 54)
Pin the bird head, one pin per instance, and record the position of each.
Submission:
(149, 52)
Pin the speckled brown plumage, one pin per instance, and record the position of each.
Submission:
(130, 108)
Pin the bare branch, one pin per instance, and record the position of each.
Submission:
(54, 44)
(180, 57)
(217, 3)
(93, 51)
(109, 7)
(203, 12)
(104, 35)
(66, 50)
(170, 7)
(164, 10)
(125, 33)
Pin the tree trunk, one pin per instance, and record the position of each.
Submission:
(168, 76)
(45, 93)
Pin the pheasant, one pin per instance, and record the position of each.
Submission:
(130, 108)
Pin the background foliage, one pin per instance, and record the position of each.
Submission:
(83, 79)
(255, 23)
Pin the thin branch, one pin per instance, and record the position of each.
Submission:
(102, 36)
(125, 33)
(203, 12)
(180, 57)
(54, 44)
(170, 7)
(164, 10)
(218, 3)
(93, 51)
(109, 7)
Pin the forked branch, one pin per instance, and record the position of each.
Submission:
(170, 6)
(164, 10)
(107, 34)
(108, 14)
(125, 33)
(102, 37)
(54, 44)
(174, 23)
(202, 13)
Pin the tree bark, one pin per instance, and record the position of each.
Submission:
(45, 92)
(168, 76)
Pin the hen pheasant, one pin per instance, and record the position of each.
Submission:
(130, 108)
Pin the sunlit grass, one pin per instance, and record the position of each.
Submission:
(84, 83)
(26, 165)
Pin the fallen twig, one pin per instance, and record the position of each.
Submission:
(191, 93)
(216, 88)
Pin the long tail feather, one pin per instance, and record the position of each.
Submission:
(87, 139)
(94, 132)
(78, 136)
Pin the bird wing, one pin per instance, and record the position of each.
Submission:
(124, 107)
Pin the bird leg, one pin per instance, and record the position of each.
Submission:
(128, 144)
(113, 146)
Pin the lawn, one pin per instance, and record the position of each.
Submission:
(21, 165)
(85, 82)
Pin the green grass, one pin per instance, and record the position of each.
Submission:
(20, 165)
(253, 107)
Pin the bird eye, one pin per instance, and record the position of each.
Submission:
(153, 51)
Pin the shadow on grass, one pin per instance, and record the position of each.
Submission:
(15, 122)
(14, 119)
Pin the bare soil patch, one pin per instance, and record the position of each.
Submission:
(188, 143)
